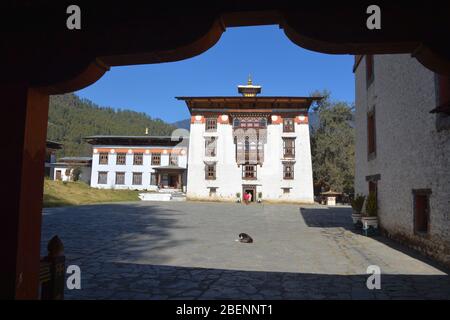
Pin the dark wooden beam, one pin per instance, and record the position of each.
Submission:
(24, 141)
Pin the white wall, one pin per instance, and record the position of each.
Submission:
(410, 152)
(85, 175)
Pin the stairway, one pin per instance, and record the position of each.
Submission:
(178, 196)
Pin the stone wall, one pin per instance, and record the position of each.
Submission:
(411, 153)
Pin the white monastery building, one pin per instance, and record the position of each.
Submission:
(138, 162)
(250, 144)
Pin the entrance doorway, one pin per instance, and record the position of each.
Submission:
(249, 189)
(173, 181)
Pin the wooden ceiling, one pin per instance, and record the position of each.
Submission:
(38, 49)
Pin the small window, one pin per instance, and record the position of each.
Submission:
(369, 69)
(288, 125)
(138, 159)
(173, 159)
(211, 124)
(444, 93)
(421, 210)
(286, 190)
(212, 191)
(210, 146)
(120, 178)
(121, 158)
(288, 170)
(102, 177)
(156, 159)
(289, 147)
(210, 171)
(103, 158)
(442, 109)
(249, 172)
(371, 132)
(137, 178)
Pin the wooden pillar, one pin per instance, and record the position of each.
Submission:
(23, 132)
(180, 186)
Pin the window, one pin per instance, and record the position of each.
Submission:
(371, 142)
(103, 158)
(138, 159)
(289, 147)
(250, 122)
(102, 177)
(286, 190)
(421, 210)
(211, 124)
(156, 159)
(369, 69)
(249, 172)
(121, 158)
(210, 171)
(212, 191)
(120, 177)
(247, 152)
(288, 125)
(153, 179)
(373, 187)
(137, 178)
(210, 146)
(173, 159)
(442, 109)
(288, 170)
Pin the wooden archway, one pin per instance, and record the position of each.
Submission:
(40, 56)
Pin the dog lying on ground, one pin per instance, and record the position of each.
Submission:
(244, 238)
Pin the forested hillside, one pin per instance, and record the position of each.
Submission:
(71, 119)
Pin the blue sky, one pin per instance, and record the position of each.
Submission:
(278, 65)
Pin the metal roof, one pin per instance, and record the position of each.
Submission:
(135, 140)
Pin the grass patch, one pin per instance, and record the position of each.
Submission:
(58, 193)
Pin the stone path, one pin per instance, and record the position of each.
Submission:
(187, 250)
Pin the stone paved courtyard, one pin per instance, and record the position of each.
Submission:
(187, 250)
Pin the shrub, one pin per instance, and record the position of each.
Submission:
(260, 195)
(371, 205)
(76, 172)
(238, 194)
(358, 202)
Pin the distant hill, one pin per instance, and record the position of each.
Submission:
(71, 119)
(183, 124)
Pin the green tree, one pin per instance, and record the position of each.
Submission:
(333, 144)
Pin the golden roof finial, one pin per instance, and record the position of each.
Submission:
(249, 81)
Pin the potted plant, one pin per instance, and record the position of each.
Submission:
(259, 197)
(370, 217)
(357, 206)
(238, 196)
